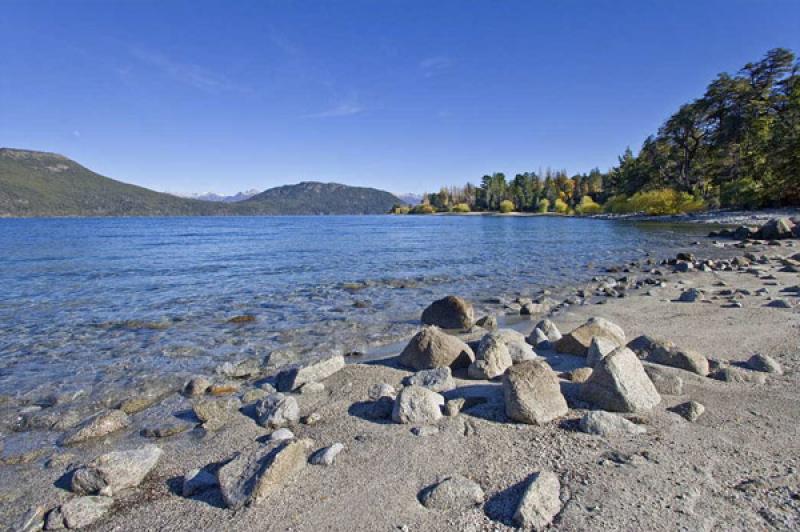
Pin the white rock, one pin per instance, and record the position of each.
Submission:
(608, 424)
(540, 503)
(327, 455)
(417, 405)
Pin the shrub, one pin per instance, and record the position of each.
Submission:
(544, 205)
(423, 209)
(656, 203)
(743, 193)
(506, 206)
(461, 207)
(588, 206)
(560, 206)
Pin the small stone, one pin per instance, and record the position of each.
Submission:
(277, 410)
(765, 363)
(81, 512)
(254, 394)
(108, 474)
(256, 472)
(437, 379)
(540, 503)
(240, 370)
(425, 430)
(196, 386)
(196, 481)
(224, 388)
(607, 424)
(281, 435)
(214, 413)
(97, 426)
(532, 393)
(550, 330)
(455, 492)
(312, 419)
(779, 303)
(690, 410)
(166, 430)
(381, 389)
(417, 405)
(690, 295)
(731, 374)
(315, 371)
(327, 455)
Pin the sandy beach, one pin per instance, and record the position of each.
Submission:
(733, 468)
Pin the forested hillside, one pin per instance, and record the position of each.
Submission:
(738, 145)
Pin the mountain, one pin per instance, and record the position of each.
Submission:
(410, 198)
(212, 196)
(36, 183)
(311, 197)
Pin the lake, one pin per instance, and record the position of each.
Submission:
(90, 303)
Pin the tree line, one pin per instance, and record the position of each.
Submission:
(736, 146)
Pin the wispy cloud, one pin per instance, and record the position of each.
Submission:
(341, 109)
(432, 66)
(186, 73)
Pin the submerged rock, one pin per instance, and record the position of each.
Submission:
(256, 472)
(578, 341)
(620, 384)
(532, 393)
(417, 405)
(214, 413)
(115, 471)
(432, 348)
(196, 386)
(540, 503)
(451, 312)
(97, 426)
(455, 492)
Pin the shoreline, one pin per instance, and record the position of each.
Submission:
(384, 466)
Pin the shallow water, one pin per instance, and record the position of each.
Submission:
(95, 302)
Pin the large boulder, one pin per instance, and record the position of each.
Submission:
(432, 348)
(277, 410)
(296, 376)
(620, 384)
(667, 353)
(776, 229)
(518, 347)
(492, 359)
(578, 341)
(256, 472)
(115, 471)
(452, 493)
(765, 363)
(532, 393)
(417, 405)
(598, 350)
(540, 503)
(451, 312)
(79, 512)
(97, 426)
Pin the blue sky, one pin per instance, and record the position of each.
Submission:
(407, 96)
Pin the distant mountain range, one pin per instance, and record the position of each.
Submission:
(211, 196)
(36, 183)
(410, 199)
